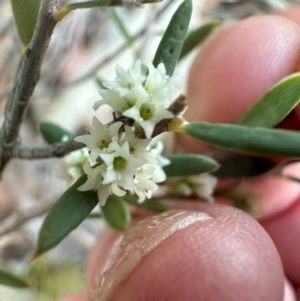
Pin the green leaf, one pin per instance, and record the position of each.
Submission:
(151, 204)
(53, 133)
(275, 105)
(189, 164)
(170, 46)
(116, 213)
(196, 37)
(67, 214)
(9, 279)
(25, 16)
(259, 141)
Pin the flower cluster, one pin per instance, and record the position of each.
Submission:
(121, 162)
(71, 166)
(202, 185)
(143, 93)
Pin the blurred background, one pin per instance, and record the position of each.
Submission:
(83, 52)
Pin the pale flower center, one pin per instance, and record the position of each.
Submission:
(119, 163)
(104, 143)
(147, 111)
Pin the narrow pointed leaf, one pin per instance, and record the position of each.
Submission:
(170, 46)
(25, 16)
(275, 105)
(67, 214)
(53, 133)
(6, 278)
(116, 213)
(189, 164)
(196, 37)
(151, 204)
(259, 141)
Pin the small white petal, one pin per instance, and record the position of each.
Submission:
(121, 73)
(113, 130)
(90, 184)
(117, 190)
(98, 104)
(107, 158)
(137, 69)
(162, 69)
(148, 127)
(159, 175)
(110, 176)
(133, 113)
(85, 139)
(103, 193)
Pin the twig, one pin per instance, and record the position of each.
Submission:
(22, 216)
(19, 102)
(61, 149)
(26, 78)
(57, 150)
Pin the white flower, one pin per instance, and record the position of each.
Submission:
(100, 138)
(148, 115)
(160, 85)
(71, 165)
(113, 99)
(202, 185)
(127, 88)
(95, 182)
(144, 183)
(159, 174)
(138, 147)
(122, 163)
(121, 166)
(143, 93)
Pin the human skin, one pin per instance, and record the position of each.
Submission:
(228, 256)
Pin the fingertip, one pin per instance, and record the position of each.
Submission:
(236, 67)
(283, 229)
(225, 257)
(98, 256)
(240, 64)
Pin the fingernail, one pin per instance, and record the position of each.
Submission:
(138, 241)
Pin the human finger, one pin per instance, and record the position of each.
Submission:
(237, 66)
(186, 255)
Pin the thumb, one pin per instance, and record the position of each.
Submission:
(217, 254)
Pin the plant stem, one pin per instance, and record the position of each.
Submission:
(57, 150)
(26, 78)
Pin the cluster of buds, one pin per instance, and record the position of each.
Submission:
(122, 157)
(144, 94)
(121, 163)
(118, 161)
